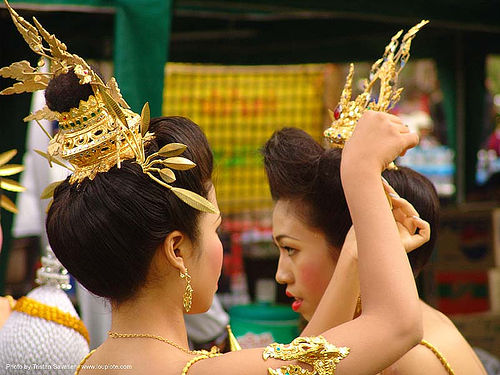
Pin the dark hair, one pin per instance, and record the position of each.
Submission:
(106, 231)
(421, 193)
(65, 92)
(302, 171)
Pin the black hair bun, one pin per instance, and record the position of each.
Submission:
(65, 92)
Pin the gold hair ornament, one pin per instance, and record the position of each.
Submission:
(102, 131)
(6, 183)
(314, 351)
(385, 70)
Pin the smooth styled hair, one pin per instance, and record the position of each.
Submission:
(106, 231)
(302, 171)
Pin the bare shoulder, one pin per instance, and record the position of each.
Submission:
(447, 342)
(419, 360)
(150, 360)
(245, 362)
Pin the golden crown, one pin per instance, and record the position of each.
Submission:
(385, 70)
(102, 131)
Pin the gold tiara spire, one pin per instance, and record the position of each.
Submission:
(386, 71)
(102, 131)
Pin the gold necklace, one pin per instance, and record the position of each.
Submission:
(116, 335)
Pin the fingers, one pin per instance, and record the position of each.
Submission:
(410, 140)
(403, 205)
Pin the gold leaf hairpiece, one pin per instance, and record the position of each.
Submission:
(102, 131)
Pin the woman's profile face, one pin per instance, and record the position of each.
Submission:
(306, 261)
(207, 266)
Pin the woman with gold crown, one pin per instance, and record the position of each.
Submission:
(312, 228)
(132, 230)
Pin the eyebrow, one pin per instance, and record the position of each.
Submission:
(279, 237)
(219, 217)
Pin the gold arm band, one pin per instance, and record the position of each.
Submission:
(314, 351)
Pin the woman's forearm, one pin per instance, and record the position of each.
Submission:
(338, 304)
(394, 294)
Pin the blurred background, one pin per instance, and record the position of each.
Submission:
(242, 69)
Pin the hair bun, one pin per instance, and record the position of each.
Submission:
(65, 92)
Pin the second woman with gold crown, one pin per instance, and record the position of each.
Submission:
(137, 221)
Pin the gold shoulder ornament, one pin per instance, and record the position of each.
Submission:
(102, 131)
(386, 71)
(314, 351)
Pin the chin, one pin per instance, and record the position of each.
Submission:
(306, 316)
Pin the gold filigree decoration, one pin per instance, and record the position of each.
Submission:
(102, 131)
(314, 351)
(385, 71)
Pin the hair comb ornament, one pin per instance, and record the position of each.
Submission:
(102, 131)
(7, 183)
(385, 70)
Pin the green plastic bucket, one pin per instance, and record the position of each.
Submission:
(259, 325)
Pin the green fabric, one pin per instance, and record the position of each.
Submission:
(141, 41)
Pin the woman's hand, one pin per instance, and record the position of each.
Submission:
(413, 230)
(378, 139)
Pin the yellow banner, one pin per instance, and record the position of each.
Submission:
(239, 107)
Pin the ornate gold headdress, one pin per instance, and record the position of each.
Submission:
(102, 131)
(7, 183)
(386, 70)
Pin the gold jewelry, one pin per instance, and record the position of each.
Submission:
(234, 345)
(386, 70)
(214, 352)
(116, 335)
(200, 354)
(83, 361)
(439, 356)
(6, 183)
(37, 309)
(314, 351)
(188, 293)
(102, 131)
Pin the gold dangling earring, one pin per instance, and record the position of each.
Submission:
(188, 293)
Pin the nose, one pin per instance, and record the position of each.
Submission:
(283, 273)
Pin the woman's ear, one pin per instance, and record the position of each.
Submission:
(176, 248)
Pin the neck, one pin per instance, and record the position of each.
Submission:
(151, 314)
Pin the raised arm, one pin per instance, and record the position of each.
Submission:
(391, 320)
(339, 301)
